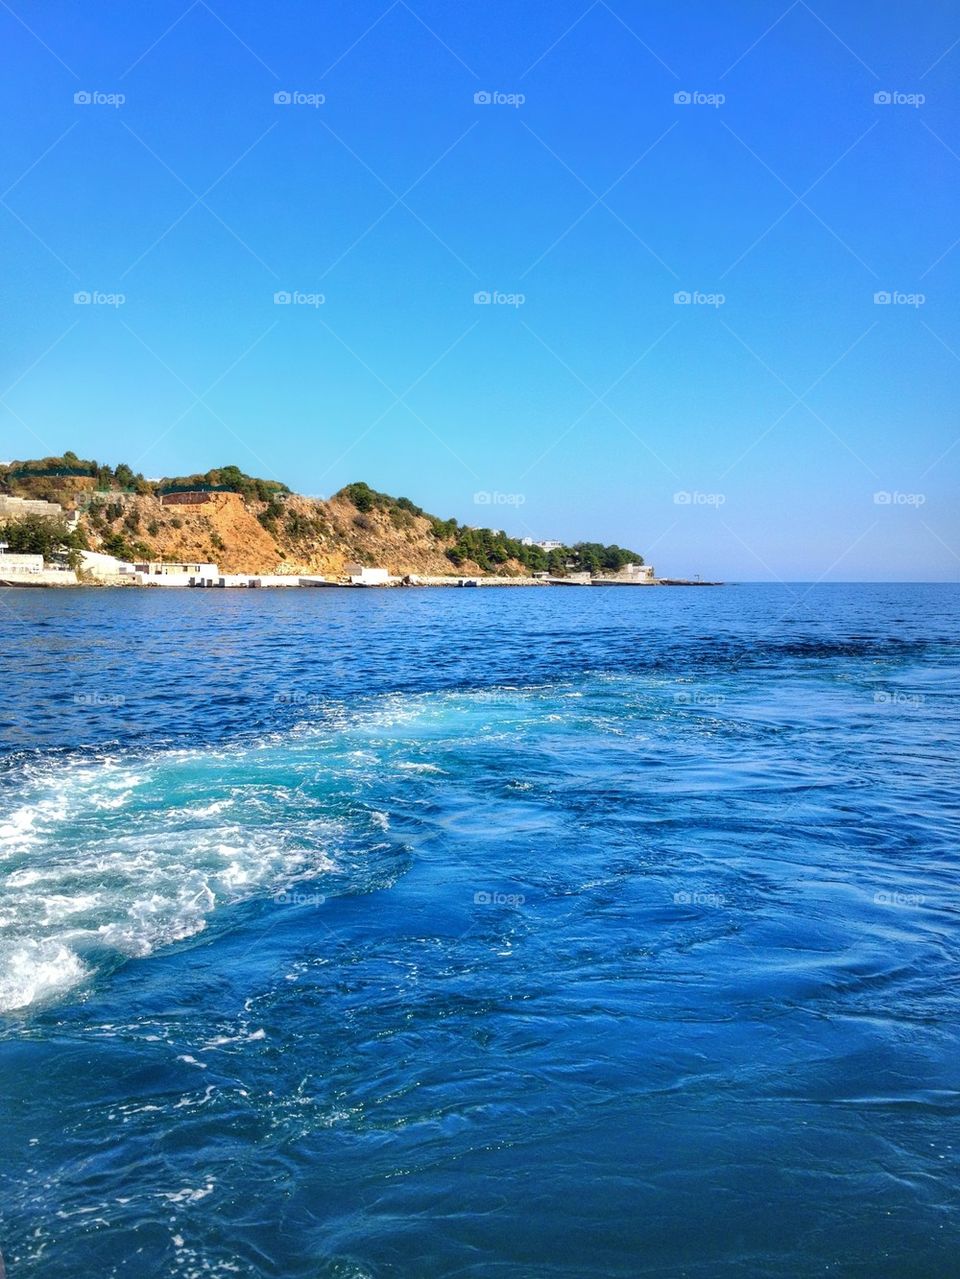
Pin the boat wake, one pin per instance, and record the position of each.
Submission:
(113, 858)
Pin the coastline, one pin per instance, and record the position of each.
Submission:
(246, 581)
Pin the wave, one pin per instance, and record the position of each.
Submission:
(113, 856)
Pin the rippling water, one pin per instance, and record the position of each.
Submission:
(440, 933)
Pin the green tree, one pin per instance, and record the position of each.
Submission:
(116, 544)
(38, 535)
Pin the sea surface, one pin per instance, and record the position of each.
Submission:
(507, 933)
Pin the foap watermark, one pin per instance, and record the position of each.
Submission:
(685, 498)
(694, 98)
(913, 701)
(494, 297)
(99, 699)
(894, 98)
(498, 899)
(886, 498)
(697, 697)
(294, 297)
(486, 497)
(94, 297)
(685, 898)
(296, 898)
(296, 98)
(684, 297)
(894, 297)
(494, 98)
(94, 98)
(895, 897)
(296, 697)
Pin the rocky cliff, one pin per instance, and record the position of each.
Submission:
(293, 535)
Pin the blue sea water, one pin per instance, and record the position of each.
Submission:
(520, 933)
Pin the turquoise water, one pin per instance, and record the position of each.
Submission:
(508, 933)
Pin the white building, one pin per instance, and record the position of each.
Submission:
(637, 572)
(175, 568)
(20, 563)
(548, 545)
(365, 575)
(99, 565)
(29, 570)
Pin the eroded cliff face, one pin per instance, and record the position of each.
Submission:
(297, 535)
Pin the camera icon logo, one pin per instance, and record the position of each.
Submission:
(882, 98)
(482, 298)
(482, 98)
(682, 298)
(283, 298)
(883, 298)
(682, 98)
(282, 98)
(681, 499)
(82, 98)
(83, 298)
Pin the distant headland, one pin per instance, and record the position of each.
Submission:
(68, 520)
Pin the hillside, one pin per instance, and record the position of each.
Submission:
(249, 525)
(299, 535)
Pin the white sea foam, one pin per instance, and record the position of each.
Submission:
(126, 859)
(19, 828)
(34, 971)
(188, 1194)
(248, 1037)
(126, 854)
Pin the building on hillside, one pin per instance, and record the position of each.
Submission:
(13, 508)
(548, 545)
(637, 572)
(366, 575)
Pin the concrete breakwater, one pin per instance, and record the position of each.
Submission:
(97, 569)
(58, 578)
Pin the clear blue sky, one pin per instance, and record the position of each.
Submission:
(597, 401)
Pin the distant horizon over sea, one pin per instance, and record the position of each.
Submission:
(439, 932)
